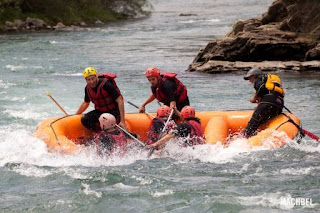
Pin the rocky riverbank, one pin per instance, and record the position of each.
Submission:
(35, 24)
(287, 37)
(31, 15)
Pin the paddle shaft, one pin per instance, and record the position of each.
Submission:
(309, 134)
(132, 104)
(48, 94)
(166, 124)
(130, 135)
(163, 131)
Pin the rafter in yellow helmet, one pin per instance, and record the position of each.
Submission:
(89, 71)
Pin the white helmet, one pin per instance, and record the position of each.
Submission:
(107, 121)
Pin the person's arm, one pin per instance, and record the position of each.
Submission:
(259, 86)
(149, 100)
(120, 102)
(85, 104)
(176, 111)
(161, 142)
(83, 107)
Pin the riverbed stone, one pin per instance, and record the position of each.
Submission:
(289, 31)
(59, 25)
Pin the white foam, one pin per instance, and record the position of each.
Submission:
(297, 171)
(123, 186)
(265, 200)
(8, 98)
(85, 188)
(21, 67)
(199, 20)
(160, 194)
(215, 153)
(14, 68)
(53, 42)
(68, 74)
(273, 200)
(5, 85)
(143, 180)
(26, 114)
(18, 146)
(31, 171)
(306, 145)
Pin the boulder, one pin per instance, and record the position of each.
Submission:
(98, 22)
(288, 31)
(313, 54)
(35, 23)
(59, 25)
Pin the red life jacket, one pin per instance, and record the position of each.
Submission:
(196, 135)
(101, 99)
(118, 142)
(180, 94)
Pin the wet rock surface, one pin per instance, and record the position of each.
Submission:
(288, 32)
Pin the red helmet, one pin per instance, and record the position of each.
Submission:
(153, 72)
(187, 112)
(163, 111)
(107, 121)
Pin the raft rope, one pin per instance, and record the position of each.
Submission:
(54, 132)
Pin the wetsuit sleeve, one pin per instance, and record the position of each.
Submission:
(259, 86)
(169, 88)
(183, 130)
(113, 92)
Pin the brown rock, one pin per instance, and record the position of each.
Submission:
(276, 12)
(289, 31)
(313, 54)
(59, 25)
(35, 23)
(98, 22)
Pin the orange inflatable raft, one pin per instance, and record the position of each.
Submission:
(66, 133)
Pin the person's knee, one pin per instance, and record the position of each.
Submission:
(86, 121)
(251, 128)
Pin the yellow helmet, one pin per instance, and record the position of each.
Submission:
(89, 71)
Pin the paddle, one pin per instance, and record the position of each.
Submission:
(311, 135)
(130, 135)
(132, 104)
(48, 94)
(305, 132)
(162, 131)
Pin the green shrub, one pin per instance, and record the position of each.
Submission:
(70, 11)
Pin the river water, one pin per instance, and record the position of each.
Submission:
(208, 178)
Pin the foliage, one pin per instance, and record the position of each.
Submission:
(71, 11)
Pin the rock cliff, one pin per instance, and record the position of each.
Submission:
(286, 37)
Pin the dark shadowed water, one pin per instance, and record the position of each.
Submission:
(208, 178)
